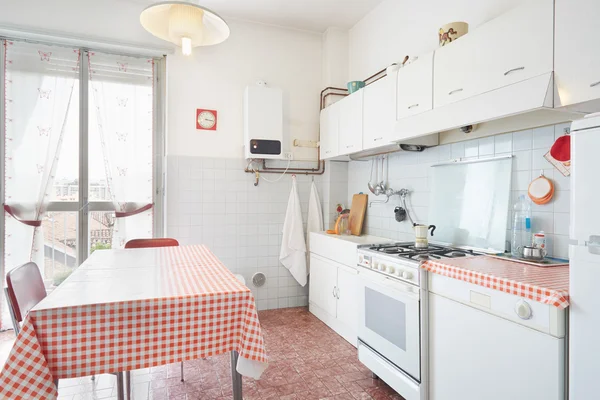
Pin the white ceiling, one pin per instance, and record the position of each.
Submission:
(310, 15)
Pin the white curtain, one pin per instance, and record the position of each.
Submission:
(121, 104)
(40, 82)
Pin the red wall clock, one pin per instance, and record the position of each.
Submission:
(206, 120)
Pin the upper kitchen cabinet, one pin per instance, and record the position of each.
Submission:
(577, 62)
(415, 87)
(351, 123)
(330, 127)
(379, 112)
(513, 47)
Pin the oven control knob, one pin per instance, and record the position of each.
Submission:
(361, 258)
(375, 264)
(407, 275)
(382, 267)
(523, 310)
(391, 269)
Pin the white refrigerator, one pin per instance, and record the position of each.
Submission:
(584, 254)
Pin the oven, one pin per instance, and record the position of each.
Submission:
(389, 328)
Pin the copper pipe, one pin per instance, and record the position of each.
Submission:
(373, 76)
(330, 88)
(331, 94)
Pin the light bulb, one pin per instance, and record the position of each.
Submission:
(186, 46)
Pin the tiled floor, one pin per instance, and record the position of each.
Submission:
(307, 361)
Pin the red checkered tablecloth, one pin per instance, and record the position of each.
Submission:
(548, 285)
(163, 306)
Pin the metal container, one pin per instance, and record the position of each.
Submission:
(533, 253)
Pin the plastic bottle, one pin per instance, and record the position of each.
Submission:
(521, 226)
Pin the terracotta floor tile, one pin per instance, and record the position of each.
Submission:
(307, 361)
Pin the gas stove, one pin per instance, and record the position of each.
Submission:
(402, 260)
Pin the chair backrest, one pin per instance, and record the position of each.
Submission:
(25, 288)
(156, 242)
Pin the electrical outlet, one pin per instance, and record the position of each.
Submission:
(288, 156)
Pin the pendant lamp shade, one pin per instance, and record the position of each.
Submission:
(185, 24)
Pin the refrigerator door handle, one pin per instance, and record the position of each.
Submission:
(593, 244)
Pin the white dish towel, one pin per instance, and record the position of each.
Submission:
(315, 217)
(293, 245)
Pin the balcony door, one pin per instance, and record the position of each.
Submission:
(82, 155)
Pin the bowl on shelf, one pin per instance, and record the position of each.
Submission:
(355, 86)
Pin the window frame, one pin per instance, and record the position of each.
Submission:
(82, 207)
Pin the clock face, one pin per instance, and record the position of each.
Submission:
(207, 120)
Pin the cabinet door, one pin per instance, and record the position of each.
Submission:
(330, 119)
(348, 302)
(415, 87)
(513, 47)
(498, 358)
(323, 284)
(577, 61)
(379, 115)
(351, 123)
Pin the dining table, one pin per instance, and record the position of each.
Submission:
(128, 309)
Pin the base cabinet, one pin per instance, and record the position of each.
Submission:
(474, 355)
(332, 296)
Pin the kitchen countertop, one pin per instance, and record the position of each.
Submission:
(359, 240)
(548, 285)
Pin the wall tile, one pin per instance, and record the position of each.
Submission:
(523, 140)
(561, 223)
(406, 173)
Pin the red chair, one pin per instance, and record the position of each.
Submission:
(25, 288)
(157, 242)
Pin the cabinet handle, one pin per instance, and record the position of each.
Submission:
(333, 293)
(416, 105)
(514, 70)
(595, 84)
(376, 139)
(350, 146)
(338, 293)
(455, 91)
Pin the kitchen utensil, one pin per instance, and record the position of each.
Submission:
(357, 213)
(560, 155)
(370, 185)
(452, 31)
(341, 224)
(421, 235)
(541, 190)
(532, 252)
(355, 86)
(399, 214)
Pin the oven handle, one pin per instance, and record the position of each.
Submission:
(406, 290)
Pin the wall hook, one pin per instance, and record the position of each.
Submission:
(257, 178)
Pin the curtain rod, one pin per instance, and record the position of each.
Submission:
(63, 39)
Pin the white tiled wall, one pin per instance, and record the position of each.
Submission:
(213, 202)
(410, 171)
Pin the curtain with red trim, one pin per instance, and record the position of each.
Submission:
(121, 106)
(39, 83)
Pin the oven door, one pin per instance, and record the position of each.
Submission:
(389, 320)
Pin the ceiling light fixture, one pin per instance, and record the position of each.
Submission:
(185, 24)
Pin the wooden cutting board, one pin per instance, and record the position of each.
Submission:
(357, 213)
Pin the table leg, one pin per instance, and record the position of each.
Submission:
(120, 394)
(236, 378)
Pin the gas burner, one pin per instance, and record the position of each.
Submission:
(456, 254)
(429, 248)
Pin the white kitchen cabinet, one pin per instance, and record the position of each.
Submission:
(347, 288)
(332, 296)
(323, 283)
(379, 112)
(351, 123)
(577, 61)
(415, 87)
(513, 47)
(475, 355)
(330, 126)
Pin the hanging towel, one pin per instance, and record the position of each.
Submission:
(293, 245)
(315, 217)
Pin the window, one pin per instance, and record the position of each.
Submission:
(81, 155)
